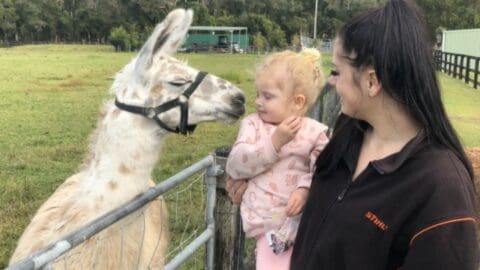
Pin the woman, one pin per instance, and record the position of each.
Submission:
(393, 189)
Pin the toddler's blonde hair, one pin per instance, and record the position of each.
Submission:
(303, 69)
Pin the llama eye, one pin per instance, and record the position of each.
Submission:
(334, 73)
(177, 84)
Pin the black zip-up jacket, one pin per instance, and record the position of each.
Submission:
(412, 210)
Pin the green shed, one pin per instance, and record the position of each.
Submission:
(217, 38)
(464, 41)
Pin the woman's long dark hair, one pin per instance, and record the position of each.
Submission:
(394, 41)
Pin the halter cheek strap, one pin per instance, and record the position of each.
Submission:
(181, 101)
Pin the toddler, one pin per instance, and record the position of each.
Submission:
(276, 149)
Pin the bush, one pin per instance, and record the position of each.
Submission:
(259, 42)
(120, 39)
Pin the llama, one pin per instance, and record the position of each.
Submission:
(155, 94)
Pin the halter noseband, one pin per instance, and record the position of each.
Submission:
(154, 112)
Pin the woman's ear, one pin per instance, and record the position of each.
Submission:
(374, 85)
(299, 101)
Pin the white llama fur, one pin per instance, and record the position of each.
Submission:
(122, 155)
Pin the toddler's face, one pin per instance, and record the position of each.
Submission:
(274, 101)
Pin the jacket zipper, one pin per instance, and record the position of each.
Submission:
(344, 192)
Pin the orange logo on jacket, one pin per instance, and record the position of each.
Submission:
(375, 220)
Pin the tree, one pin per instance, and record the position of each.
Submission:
(120, 39)
(459, 14)
(51, 11)
(8, 18)
(278, 21)
(259, 41)
(270, 30)
(28, 23)
(201, 15)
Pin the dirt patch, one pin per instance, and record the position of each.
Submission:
(474, 154)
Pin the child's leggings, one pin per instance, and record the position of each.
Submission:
(267, 260)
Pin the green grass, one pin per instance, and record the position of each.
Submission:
(462, 102)
(50, 98)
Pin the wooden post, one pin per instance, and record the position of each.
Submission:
(450, 64)
(229, 237)
(460, 73)
(438, 60)
(455, 65)
(477, 70)
(467, 70)
(444, 62)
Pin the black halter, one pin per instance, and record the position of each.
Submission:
(153, 112)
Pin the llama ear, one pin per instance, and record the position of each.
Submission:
(166, 37)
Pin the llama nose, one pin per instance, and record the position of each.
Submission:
(238, 99)
(238, 103)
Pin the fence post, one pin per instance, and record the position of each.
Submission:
(327, 107)
(477, 70)
(455, 65)
(444, 62)
(437, 57)
(467, 70)
(229, 237)
(450, 56)
(210, 177)
(460, 73)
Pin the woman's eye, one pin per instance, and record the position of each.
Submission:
(334, 73)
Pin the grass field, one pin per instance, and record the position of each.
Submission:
(50, 98)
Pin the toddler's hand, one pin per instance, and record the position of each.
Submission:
(296, 202)
(286, 131)
(235, 189)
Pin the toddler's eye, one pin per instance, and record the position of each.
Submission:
(334, 73)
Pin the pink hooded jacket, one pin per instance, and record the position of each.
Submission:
(273, 176)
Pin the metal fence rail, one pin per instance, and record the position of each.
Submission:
(51, 252)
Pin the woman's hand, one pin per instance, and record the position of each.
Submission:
(235, 189)
(286, 131)
(296, 202)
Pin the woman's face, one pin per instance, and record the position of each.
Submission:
(352, 96)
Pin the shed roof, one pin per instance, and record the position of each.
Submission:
(218, 28)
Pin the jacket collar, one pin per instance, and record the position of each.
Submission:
(390, 163)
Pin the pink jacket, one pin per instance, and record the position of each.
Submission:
(272, 175)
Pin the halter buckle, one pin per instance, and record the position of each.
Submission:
(150, 113)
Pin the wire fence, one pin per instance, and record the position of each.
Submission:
(186, 205)
(191, 219)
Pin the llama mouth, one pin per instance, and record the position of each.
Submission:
(229, 115)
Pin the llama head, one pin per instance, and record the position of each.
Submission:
(169, 91)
